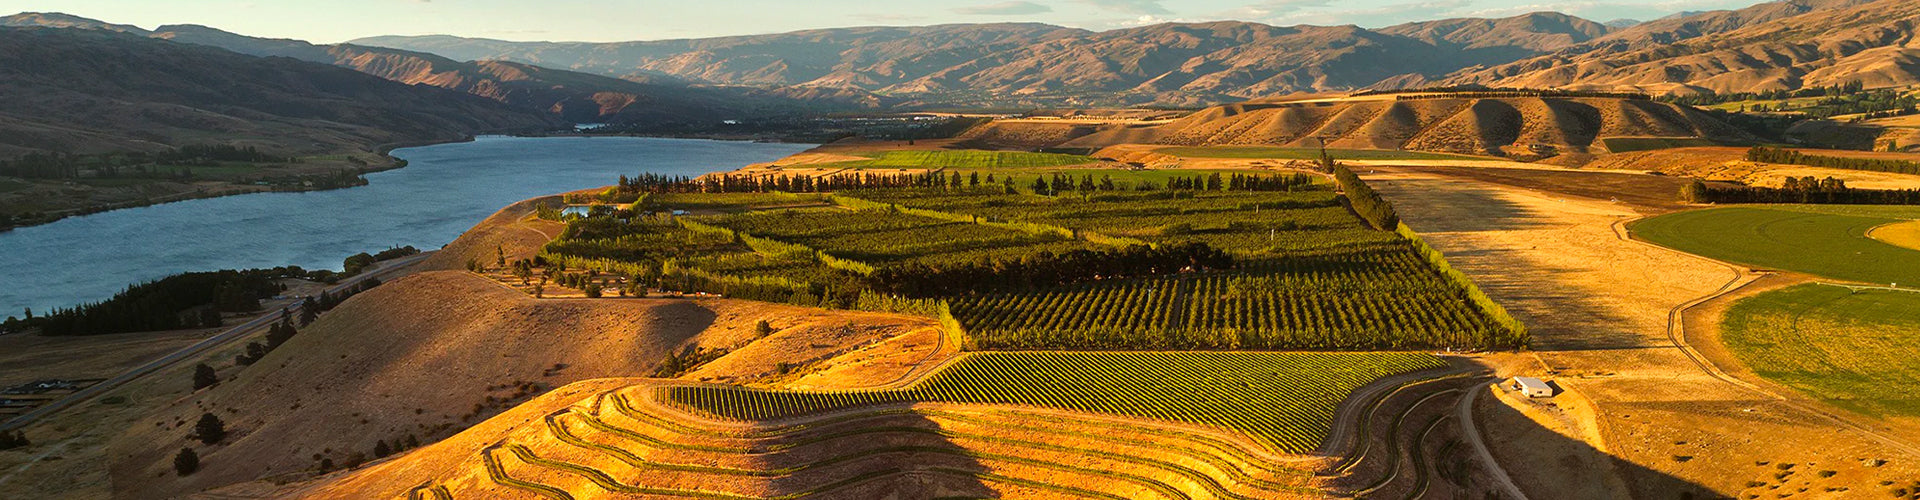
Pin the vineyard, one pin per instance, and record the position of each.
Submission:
(1286, 400)
(1379, 299)
(1073, 259)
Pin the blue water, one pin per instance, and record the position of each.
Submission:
(444, 190)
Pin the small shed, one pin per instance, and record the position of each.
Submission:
(1532, 387)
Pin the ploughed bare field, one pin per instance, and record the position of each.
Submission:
(1644, 418)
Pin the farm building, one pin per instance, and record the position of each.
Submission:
(1532, 387)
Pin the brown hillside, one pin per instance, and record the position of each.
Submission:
(613, 443)
(1493, 125)
(512, 231)
(1773, 46)
(425, 356)
(87, 91)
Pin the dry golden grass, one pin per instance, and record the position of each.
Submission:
(427, 355)
(1904, 234)
(1598, 307)
(1729, 164)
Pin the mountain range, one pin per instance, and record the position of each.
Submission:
(1784, 44)
(677, 84)
(95, 91)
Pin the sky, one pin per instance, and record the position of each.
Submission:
(619, 20)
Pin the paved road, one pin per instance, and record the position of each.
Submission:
(385, 269)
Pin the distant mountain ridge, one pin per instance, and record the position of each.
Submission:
(1215, 62)
(1784, 44)
(658, 101)
(1771, 46)
(1178, 63)
(91, 91)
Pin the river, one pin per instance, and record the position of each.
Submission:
(445, 189)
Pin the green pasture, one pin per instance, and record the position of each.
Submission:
(1858, 349)
(1829, 241)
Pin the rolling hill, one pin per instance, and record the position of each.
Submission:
(1515, 125)
(89, 91)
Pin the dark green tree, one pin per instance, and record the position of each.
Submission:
(186, 462)
(209, 429)
(204, 376)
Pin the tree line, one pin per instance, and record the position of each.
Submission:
(1483, 92)
(1801, 190)
(185, 300)
(190, 300)
(1771, 95)
(1046, 269)
(1368, 204)
(1765, 154)
(1053, 184)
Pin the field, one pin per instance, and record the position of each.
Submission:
(1855, 349)
(1278, 153)
(1108, 259)
(1598, 308)
(1286, 400)
(1828, 241)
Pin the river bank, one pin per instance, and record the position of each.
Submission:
(444, 189)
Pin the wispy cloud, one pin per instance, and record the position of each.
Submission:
(1374, 16)
(1270, 8)
(1015, 8)
(1142, 7)
(876, 17)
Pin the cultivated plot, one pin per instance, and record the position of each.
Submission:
(1854, 348)
(1828, 241)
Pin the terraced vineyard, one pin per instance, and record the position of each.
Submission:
(619, 443)
(1286, 400)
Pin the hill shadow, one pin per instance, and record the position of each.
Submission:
(1550, 461)
(901, 455)
(1492, 211)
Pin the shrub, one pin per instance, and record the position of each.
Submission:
(186, 462)
(11, 440)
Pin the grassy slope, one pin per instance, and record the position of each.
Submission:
(1859, 350)
(1305, 153)
(1826, 241)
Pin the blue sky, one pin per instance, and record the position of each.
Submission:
(613, 20)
